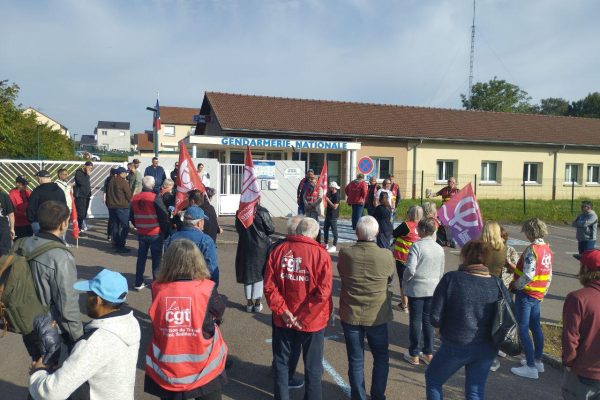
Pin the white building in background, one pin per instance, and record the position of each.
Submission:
(46, 120)
(113, 136)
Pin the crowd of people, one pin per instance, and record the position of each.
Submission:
(187, 355)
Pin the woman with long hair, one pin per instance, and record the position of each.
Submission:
(463, 308)
(187, 354)
(383, 215)
(492, 235)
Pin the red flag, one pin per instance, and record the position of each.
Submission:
(73, 219)
(462, 215)
(250, 193)
(187, 178)
(322, 183)
(156, 117)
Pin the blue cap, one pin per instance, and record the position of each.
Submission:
(109, 285)
(195, 212)
(120, 170)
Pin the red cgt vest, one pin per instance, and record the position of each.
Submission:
(179, 358)
(403, 243)
(144, 214)
(313, 196)
(538, 287)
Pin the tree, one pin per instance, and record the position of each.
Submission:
(589, 107)
(554, 106)
(498, 95)
(19, 132)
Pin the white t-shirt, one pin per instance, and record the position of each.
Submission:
(389, 193)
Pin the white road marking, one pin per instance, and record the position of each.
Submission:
(336, 378)
(561, 227)
(562, 238)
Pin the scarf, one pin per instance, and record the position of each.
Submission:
(475, 269)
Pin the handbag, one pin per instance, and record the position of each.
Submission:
(505, 329)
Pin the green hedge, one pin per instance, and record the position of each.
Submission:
(506, 211)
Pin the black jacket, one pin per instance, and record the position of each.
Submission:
(82, 188)
(253, 247)
(41, 194)
(211, 227)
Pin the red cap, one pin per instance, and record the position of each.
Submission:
(591, 259)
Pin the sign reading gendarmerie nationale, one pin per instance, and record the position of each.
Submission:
(283, 143)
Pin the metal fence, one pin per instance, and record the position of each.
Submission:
(417, 184)
(10, 169)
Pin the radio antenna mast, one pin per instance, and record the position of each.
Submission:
(472, 54)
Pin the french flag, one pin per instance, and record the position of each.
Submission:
(156, 120)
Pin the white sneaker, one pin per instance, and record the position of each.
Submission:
(331, 249)
(525, 372)
(140, 287)
(538, 364)
(250, 308)
(495, 365)
(327, 247)
(257, 308)
(501, 354)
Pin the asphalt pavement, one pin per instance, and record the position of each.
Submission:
(248, 335)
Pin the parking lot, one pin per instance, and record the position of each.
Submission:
(248, 335)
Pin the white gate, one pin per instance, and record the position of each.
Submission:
(9, 169)
(230, 187)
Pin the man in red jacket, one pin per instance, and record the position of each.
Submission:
(297, 287)
(356, 194)
(581, 333)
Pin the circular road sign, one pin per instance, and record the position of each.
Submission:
(366, 165)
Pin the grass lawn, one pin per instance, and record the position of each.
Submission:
(552, 339)
(507, 211)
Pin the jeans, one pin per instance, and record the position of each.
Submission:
(120, 227)
(254, 291)
(477, 359)
(285, 344)
(577, 388)
(82, 205)
(528, 317)
(293, 357)
(35, 227)
(400, 268)
(330, 223)
(585, 245)
(419, 310)
(377, 337)
(301, 209)
(155, 245)
(357, 212)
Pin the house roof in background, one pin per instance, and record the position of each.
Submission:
(178, 115)
(88, 139)
(144, 140)
(236, 112)
(113, 125)
(45, 115)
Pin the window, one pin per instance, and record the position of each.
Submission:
(121, 133)
(445, 170)
(382, 168)
(593, 174)
(490, 172)
(104, 133)
(532, 173)
(169, 130)
(572, 173)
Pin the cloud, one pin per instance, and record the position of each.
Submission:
(104, 60)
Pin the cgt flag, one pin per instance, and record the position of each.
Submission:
(73, 219)
(187, 179)
(250, 193)
(322, 184)
(462, 215)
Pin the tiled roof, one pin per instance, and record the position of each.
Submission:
(178, 115)
(144, 140)
(113, 125)
(285, 115)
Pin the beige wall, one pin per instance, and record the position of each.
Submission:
(511, 159)
(171, 143)
(42, 119)
(398, 152)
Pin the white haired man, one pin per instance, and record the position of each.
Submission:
(297, 286)
(151, 219)
(366, 307)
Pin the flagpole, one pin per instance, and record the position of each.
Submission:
(155, 128)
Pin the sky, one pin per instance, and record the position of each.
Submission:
(81, 61)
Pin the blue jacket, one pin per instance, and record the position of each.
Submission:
(158, 174)
(205, 244)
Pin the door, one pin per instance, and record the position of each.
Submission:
(230, 188)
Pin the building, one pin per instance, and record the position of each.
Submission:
(113, 136)
(176, 124)
(46, 120)
(502, 154)
(143, 143)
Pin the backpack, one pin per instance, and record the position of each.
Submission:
(19, 300)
